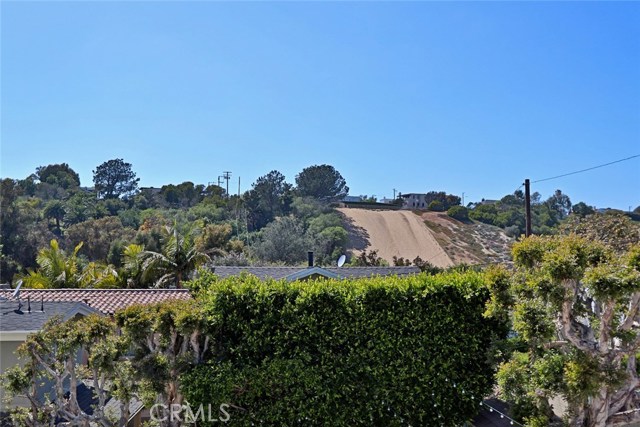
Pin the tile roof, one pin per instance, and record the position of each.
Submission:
(105, 300)
(15, 317)
(290, 273)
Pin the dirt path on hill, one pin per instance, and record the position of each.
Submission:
(399, 233)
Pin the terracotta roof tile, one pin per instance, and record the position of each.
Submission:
(105, 300)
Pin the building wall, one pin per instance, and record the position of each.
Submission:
(414, 201)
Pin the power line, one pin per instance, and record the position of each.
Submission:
(587, 169)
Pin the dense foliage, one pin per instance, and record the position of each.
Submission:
(575, 303)
(52, 375)
(274, 222)
(141, 353)
(322, 182)
(508, 212)
(384, 351)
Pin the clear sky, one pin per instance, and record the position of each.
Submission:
(416, 96)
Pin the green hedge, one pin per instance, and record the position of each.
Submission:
(375, 352)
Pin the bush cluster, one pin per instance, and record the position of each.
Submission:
(380, 351)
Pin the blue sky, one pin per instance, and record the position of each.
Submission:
(416, 96)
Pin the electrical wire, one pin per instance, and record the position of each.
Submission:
(585, 170)
(502, 414)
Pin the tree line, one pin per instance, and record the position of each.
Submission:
(110, 231)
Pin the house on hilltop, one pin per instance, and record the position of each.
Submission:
(414, 201)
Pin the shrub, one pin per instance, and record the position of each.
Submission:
(436, 206)
(379, 351)
(484, 213)
(459, 212)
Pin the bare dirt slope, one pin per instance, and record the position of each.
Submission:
(434, 237)
(393, 233)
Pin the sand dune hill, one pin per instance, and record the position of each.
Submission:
(393, 233)
(432, 236)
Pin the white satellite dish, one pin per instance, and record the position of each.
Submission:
(342, 260)
(16, 293)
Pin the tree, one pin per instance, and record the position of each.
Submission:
(179, 258)
(97, 236)
(270, 197)
(321, 182)
(214, 238)
(22, 231)
(436, 206)
(56, 269)
(487, 214)
(283, 240)
(559, 204)
(582, 209)
(615, 230)
(443, 200)
(168, 339)
(458, 212)
(182, 195)
(9, 226)
(59, 175)
(141, 352)
(52, 354)
(115, 178)
(133, 267)
(99, 276)
(370, 259)
(55, 210)
(574, 303)
(80, 207)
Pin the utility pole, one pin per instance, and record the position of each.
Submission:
(463, 198)
(394, 194)
(527, 208)
(220, 181)
(227, 175)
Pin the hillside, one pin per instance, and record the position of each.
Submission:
(433, 236)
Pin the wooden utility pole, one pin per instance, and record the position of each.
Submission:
(226, 176)
(527, 208)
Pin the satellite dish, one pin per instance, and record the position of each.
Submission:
(16, 293)
(342, 260)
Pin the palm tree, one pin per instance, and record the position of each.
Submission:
(178, 259)
(55, 210)
(55, 268)
(98, 275)
(134, 258)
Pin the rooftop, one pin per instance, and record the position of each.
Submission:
(29, 316)
(296, 273)
(107, 301)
